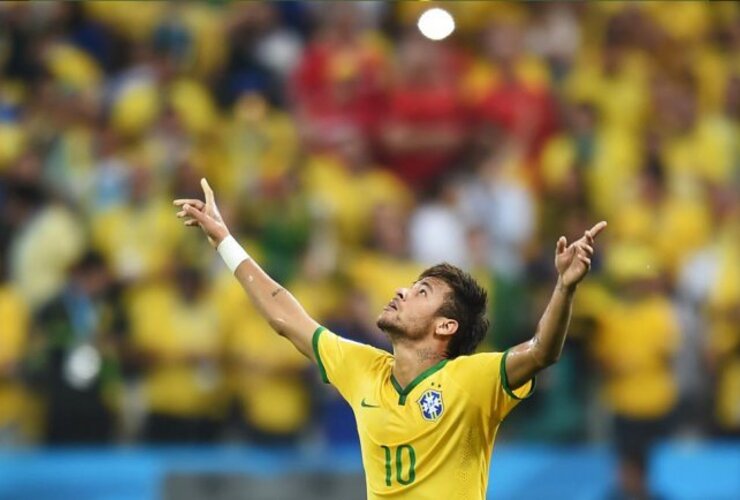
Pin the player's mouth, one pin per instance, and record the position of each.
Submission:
(393, 305)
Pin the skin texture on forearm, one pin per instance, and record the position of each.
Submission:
(553, 326)
(545, 347)
(278, 306)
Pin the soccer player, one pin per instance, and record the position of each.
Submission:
(427, 415)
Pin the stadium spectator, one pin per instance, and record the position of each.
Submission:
(555, 33)
(440, 218)
(270, 380)
(74, 358)
(347, 185)
(282, 218)
(386, 260)
(179, 344)
(136, 237)
(262, 54)
(512, 91)
(261, 145)
(500, 200)
(46, 235)
(426, 121)
(634, 344)
(709, 285)
(13, 347)
(339, 82)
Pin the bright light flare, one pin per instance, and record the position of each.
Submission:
(436, 24)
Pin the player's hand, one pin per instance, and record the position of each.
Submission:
(574, 261)
(204, 215)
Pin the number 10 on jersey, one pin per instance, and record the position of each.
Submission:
(408, 463)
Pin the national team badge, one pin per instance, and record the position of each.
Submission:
(431, 405)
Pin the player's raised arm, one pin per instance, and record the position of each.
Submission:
(278, 306)
(572, 263)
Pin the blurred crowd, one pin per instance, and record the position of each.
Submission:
(347, 152)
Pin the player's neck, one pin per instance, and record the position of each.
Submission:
(412, 360)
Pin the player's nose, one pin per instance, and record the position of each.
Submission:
(401, 293)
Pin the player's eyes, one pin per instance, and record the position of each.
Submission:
(423, 291)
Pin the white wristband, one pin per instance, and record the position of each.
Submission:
(232, 253)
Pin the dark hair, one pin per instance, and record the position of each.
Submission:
(466, 305)
(89, 261)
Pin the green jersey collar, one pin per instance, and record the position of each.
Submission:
(403, 392)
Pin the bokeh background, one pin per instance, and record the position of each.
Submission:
(348, 152)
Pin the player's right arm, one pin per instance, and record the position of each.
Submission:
(277, 305)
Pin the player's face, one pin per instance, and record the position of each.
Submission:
(412, 311)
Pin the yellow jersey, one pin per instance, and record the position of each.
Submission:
(431, 439)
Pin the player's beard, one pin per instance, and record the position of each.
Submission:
(391, 327)
(396, 330)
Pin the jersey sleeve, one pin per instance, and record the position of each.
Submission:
(344, 363)
(490, 386)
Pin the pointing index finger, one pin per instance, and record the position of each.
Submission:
(594, 231)
(207, 191)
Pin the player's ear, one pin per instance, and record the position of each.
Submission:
(445, 326)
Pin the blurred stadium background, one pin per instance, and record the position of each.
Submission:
(348, 152)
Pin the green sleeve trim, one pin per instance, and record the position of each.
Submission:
(505, 380)
(315, 343)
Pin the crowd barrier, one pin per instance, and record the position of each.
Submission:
(680, 471)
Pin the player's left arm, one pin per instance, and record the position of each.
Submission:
(572, 263)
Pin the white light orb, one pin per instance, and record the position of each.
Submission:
(83, 366)
(436, 24)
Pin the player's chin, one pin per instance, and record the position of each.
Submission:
(386, 321)
(381, 319)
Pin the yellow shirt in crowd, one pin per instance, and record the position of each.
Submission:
(724, 336)
(267, 372)
(634, 343)
(185, 341)
(137, 241)
(13, 339)
(350, 198)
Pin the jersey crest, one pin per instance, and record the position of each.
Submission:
(431, 405)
